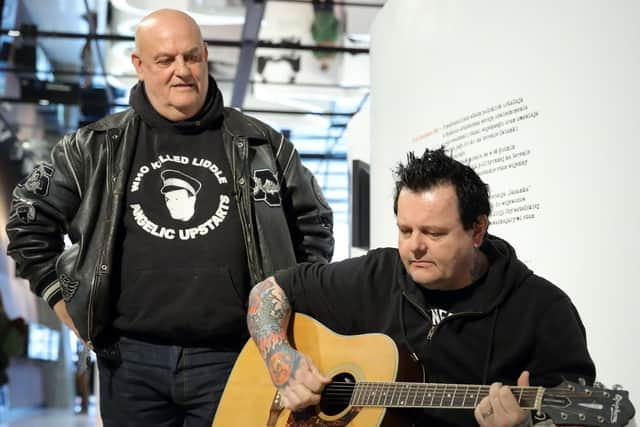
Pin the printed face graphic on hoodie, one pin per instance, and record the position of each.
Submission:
(181, 204)
(180, 192)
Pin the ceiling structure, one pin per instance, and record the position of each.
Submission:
(260, 52)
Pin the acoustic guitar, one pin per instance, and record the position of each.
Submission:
(372, 383)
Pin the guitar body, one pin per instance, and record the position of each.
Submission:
(374, 385)
(248, 398)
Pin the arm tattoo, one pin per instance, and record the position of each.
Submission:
(268, 319)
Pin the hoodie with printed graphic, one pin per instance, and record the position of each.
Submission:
(183, 257)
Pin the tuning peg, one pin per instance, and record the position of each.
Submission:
(617, 387)
(598, 384)
(582, 382)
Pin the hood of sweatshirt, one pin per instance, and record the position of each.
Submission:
(209, 117)
(506, 272)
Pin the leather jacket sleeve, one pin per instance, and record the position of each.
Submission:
(308, 214)
(42, 207)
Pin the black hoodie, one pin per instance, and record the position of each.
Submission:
(514, 320)
(184, 278)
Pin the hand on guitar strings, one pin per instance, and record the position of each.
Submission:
(298, 380)
(500, 408)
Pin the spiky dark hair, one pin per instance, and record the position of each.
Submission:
(436, 168)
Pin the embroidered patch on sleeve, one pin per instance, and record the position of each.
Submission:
(39, 180)
(24, 211)
(265, 188)
(69, 287)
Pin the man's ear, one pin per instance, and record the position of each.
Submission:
(479, 230)
(137, 64)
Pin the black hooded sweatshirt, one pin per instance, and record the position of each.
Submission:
(184, 278)
(509, 321)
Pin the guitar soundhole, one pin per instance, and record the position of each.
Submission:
(336, 395)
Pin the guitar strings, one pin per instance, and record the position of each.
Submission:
(416, 395)
(439, 391)
(448, 389)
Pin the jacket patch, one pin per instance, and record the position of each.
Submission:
(24, 211)
(69, 287)
(265, 188)
(39, 180)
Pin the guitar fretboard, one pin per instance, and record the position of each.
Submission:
(429, 395)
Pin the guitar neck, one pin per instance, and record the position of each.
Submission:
(429, 395)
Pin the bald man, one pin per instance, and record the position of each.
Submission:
(162, 297)
(171, 59)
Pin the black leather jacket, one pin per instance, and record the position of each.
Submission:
(81, 192)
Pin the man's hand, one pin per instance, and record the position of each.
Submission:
(60, 309)
(500, 408)
(298, 380)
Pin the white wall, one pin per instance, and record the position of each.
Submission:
(541, 98)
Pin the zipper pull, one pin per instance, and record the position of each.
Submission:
(430, 333)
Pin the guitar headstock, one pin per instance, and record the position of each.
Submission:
(577, 404)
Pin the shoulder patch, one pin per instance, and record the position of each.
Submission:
(39, 180)
(265, 188)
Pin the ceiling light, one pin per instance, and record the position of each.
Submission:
(359, 38)
(228, 16)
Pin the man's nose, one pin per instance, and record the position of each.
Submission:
(417, 243)
(181, 67)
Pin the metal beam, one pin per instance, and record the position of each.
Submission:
(96, 43)
(296, 112)
(263, 44)
(60, 72)
(335, 3)
(266, 44)
(323, 156)
(246, 110)
(250, 30)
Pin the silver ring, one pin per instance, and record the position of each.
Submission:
(487, 414)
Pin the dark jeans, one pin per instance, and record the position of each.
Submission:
(162, 385)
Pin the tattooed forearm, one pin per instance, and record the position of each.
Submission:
(268, 315)
(268, 319)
